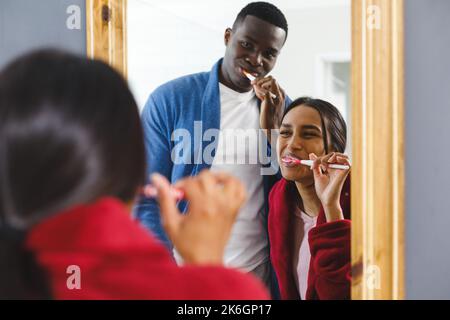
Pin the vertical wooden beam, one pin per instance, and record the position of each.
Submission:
(106, 32)
(378, 155)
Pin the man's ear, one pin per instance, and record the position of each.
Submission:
(227, 35)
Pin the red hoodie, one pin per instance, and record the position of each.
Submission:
(118, 259)
(329, 270)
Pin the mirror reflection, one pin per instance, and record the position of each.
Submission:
(261, 92)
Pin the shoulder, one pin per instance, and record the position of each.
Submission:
(280, 205)
(176, 94)
(278, 190)
(182, 85)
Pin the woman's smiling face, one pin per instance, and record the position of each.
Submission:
(300, 134)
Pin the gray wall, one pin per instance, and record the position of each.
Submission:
(427, 47)
(30, 24)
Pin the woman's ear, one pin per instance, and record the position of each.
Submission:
(227, 35)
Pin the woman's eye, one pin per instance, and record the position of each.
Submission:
(284, 133)
(310, 135)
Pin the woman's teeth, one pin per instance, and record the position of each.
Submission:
(290, 160)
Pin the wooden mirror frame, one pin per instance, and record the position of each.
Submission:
(378, 150)
(106, 34)
(377, 133)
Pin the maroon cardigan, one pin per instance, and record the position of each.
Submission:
(119, 259)
(329, 270)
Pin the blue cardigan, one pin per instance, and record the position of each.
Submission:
(176, 105)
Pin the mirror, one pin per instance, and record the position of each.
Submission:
(171, 39)
(376, 120)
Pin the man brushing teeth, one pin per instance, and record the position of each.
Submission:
(251, 99)
(252, 49)
(226, 99)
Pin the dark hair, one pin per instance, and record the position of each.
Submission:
(331, 120)
(69, 133)
(264, 11)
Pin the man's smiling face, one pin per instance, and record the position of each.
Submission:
(253, 46)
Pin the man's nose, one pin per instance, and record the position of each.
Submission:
(255, 59)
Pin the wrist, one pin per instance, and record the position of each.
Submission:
(333, 212)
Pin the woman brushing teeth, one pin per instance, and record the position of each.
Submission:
(309, 208)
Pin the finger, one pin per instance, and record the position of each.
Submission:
(206, 179)
(270, 85)
(276, 89)
(171, 217)
(184, 183)
(324, 161)
(267, 85)
(261, 81)
(260, 93)
(213, 180)
(316, 161)
(342, 160)
(228, 184)
(342, 155)
(149, 191)
(190, 186)
(332, 158)
(315, 167)
(269, 98)
(221, 177)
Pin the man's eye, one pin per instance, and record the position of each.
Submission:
(245, 44)
(271, 55)
(284, 133)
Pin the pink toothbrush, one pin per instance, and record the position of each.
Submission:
(151, 192)
(310, 163)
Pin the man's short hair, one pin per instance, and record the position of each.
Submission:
(264, 11)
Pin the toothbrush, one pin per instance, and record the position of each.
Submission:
(252, 77)
(151, 192)
(310, 163)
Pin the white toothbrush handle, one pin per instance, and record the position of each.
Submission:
(339, 166)
(333, 165)
(251, 78)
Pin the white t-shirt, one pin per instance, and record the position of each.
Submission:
(302, 256)
(247, 247)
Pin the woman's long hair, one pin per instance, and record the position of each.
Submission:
(69, 133)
